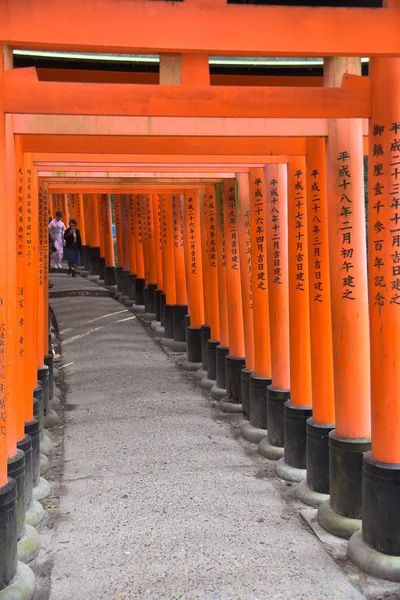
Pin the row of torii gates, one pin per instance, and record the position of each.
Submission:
(242, 205)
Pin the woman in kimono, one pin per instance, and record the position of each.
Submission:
(57, 230)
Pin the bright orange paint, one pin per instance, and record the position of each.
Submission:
(221, 265)
(319, 283)
(348, 268)
(211, 283)
(204, 254)
(157, 240)
(140, 265)
(384, 278)
(179, 249)
(245, 267)
(299, 304)
(277, 257)
(118, 227)
(232, 254)
(168, 260)
(194, 272)
(131, 225)
(259, 269)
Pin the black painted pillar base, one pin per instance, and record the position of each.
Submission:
(232, 403)
(110, 276)
(124, 286)
(169, 321)
(376, 550)
(272, 446)
(163, 302)
(94, 253)
(102, 266)
(118, 276)
(315, 489)
(245, 385)
(341, 514)
(218, 391)
(292, 467)
(46, 380)
(193, 345)
(178, 341)
(205, 336)
(139, 306)
(211, 378)
(8, 533)
(16, 470)
(158, 306)
(132, 288)
(85, 257)
(256, 429)
(150, 302)
(32, 429)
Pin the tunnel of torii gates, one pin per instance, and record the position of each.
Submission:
(241, 233)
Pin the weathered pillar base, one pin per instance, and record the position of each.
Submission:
(125, 288)
(256, 430)
(46, 380)
(232, 403)
(205, 336)
(168, 322)
(118, 277)
(22, 586)
(17, 581)
(315, 489)
(46, 446)
(292, 467)
(193, 343)
(218, 391)
(178, 341)
(272, 446)
(376, 549)
(245, 391)
(210, 379)
(110, 277)
(150, 302)
(35, 511)
(158, 306)
(44, 464)
(42, 490)
(28, 547)
(94, 267)
(51, 419)
(102, 266)
(341, 514)
(139, 306)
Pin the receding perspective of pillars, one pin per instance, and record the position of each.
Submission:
(247, 289)
(149, 249)
(315, 489)
(120, 252)
(218, 391)
(123, 281)
(205, 327)
(180, 308)
(194, 279)
(234, 361)
(158, 251)
(168, 297)
(292, 466)
(209, 380)
(94, 249)
(341, 514)
(128, 277)
(376, 549)
(109, 267)
(140, 282)
(278, 301)
(260, 379)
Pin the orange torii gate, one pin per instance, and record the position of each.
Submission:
(166, 29)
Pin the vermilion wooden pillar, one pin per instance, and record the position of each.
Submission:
(180, 309)
(315, 489)
(118, 226)
(376, 549)
(211, 284)
(298, 409)
(194, 278)
(247, 287)
(109, 268)
(218, 391)
(278, 289)
(168, 298)
(205, 327)
(350, 329)
(157, 241)
(140, 264)
(261, 378)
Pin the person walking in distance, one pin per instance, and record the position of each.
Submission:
(73, 242)
(56, 230)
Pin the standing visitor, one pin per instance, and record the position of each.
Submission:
(57, 229)
(73, 242)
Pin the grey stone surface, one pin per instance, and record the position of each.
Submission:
(159, 498)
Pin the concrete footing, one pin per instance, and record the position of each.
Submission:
(42, 490)
(230, 407)
(23, 585)
(28, 546)
(288, 473)
(269, 451)
(253, 434)
(336, 524)
(200, 374)
(207, 384)
(46, 446)
(51, 419)
(218, 393)
(309, 496)
(34, 514)
(44, 464)
(371, 561)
